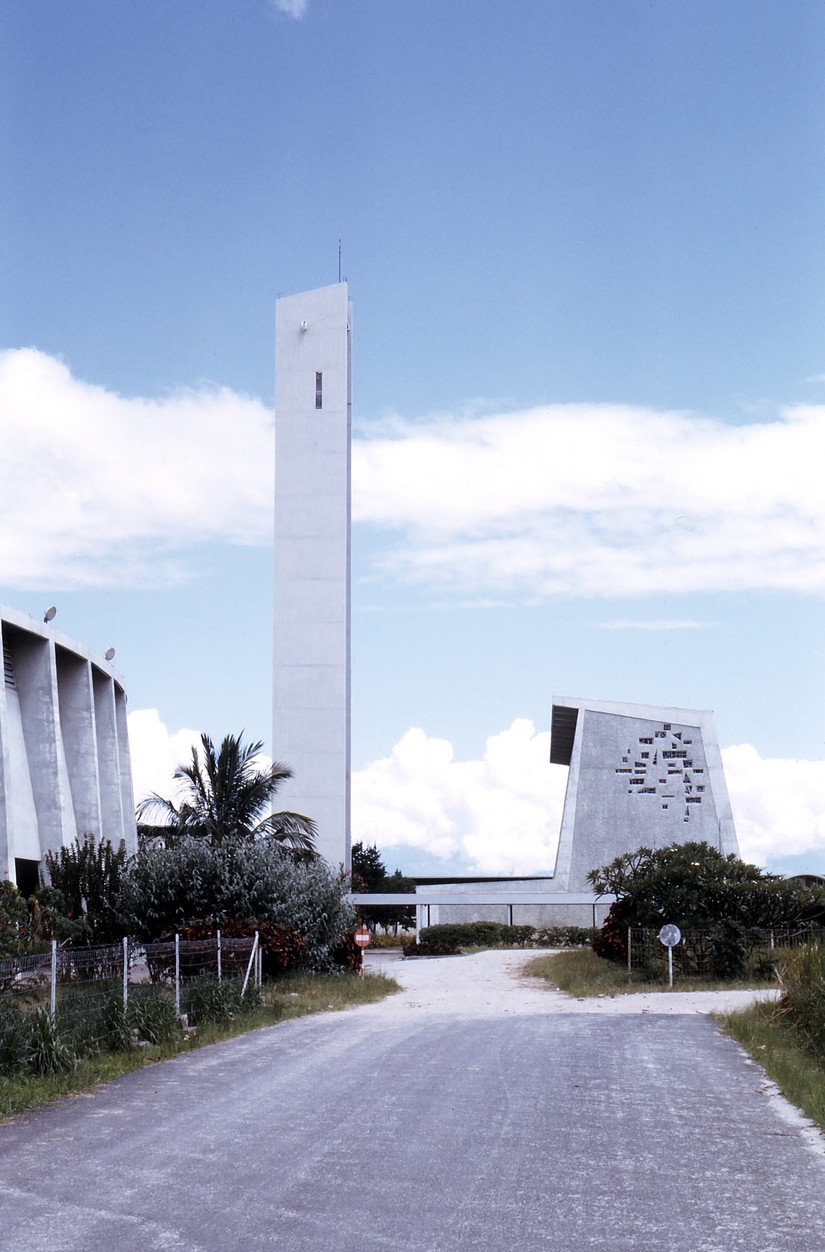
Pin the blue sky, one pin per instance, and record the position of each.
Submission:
(584, 245)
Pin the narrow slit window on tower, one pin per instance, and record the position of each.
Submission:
(319, 390)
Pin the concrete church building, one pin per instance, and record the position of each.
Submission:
(64, 750)
(640, 775)
(311, 681)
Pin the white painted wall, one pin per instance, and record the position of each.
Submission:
(311, 673)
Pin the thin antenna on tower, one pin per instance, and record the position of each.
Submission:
(339, 260)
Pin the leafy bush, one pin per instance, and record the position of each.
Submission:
(282, 948)
(165, 889)
(88, 876)
(697, 887)
(14, 917)
(380, 940)
(347, 955)
(564, 936)
(476, 935)
(432, 947)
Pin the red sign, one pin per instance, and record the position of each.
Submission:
(363, 937)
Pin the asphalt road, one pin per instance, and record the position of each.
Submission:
(424, 1132)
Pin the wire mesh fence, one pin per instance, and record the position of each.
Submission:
(733, 952)
(103, 997)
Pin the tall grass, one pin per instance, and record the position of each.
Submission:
(802, 980)
(295, 995)
(770, 1038)
(581, 973)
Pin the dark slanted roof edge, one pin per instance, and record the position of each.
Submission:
(562, 734)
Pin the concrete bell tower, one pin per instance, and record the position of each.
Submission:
(311, 688)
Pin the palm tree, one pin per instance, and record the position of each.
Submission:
(227, 797)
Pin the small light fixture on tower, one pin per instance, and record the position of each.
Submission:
(109, 654)
(49, 614)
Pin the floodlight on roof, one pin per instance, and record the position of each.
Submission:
(49, 614)
(109, 654)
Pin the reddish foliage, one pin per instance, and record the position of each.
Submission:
(347, 954)
(281, 946)
(611, 940)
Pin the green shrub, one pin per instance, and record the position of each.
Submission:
(14, 916)
(477, 935)
(564, 936)
(432, 947)
(380, 940)
(88, 876)
(730, 946)
(165, 889)
(698, 887)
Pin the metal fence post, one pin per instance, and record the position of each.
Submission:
(253, 954)
(125, 974)
(53, 991)
(259, 963)
(177, 975)
(629, 956)
(219, 956)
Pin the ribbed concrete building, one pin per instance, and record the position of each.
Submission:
(64, 750)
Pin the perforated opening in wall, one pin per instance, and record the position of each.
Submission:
(319, 390)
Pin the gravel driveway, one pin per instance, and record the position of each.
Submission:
(496, 986)
(474, 1110)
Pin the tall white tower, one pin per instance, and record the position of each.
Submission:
(311, 690)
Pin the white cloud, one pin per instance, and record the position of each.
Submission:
(100, 489)
(600, 500)
(294, 8)
(156, 753)
(778, 804)
(654, 624)
(500, 815)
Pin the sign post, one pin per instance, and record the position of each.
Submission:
(363, 938)
(669, 936)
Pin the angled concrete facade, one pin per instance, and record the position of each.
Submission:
(65, 770)
(311, 678)
(640, 775)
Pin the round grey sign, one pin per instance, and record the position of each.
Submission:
(670, 935)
